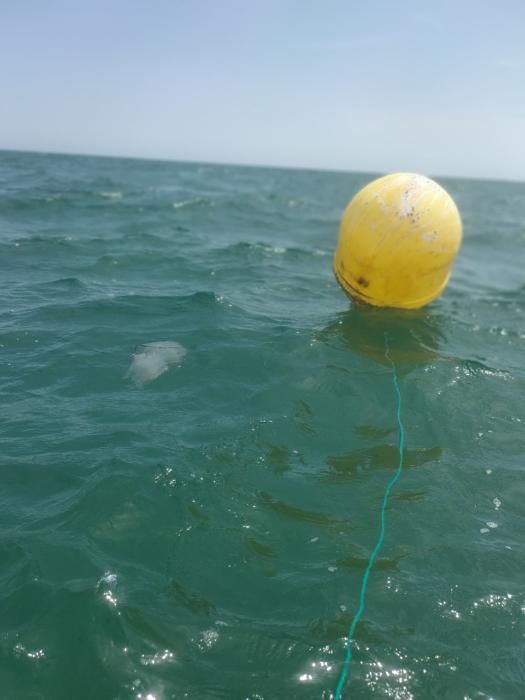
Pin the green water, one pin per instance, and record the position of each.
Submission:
(198, 527)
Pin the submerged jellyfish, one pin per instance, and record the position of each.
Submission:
(153, 359)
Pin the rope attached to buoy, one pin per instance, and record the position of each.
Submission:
(364, 581)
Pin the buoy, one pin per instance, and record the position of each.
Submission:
(398, 240)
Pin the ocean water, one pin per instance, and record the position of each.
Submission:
(198, 427)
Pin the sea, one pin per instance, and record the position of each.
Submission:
(198, 426)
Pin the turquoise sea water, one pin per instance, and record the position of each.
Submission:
(198, 427)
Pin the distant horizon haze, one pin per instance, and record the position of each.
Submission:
(269, 166)
(375, 87)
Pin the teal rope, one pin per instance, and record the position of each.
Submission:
(364, 581)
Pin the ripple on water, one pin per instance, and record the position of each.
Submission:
(206, 535)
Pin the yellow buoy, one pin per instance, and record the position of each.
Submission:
(398, 240)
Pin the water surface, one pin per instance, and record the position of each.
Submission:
(200, 529)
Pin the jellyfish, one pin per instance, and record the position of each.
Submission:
(153, 359)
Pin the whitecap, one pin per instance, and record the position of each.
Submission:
(111, 195)
(153, 359)
(186, 202)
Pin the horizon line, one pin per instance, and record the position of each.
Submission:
(341, 171)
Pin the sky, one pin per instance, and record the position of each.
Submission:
(378, 86)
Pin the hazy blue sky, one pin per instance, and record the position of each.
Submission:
(436, 87)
